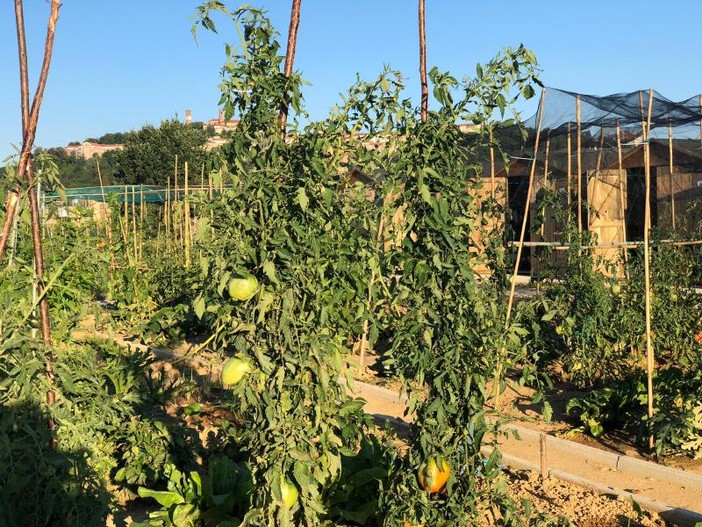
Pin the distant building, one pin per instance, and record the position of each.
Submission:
(88, 150)
(221, 124)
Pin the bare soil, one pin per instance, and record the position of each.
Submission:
(562, 503)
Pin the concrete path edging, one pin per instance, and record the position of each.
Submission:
(611, 461)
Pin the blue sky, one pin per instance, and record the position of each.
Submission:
(121, 64)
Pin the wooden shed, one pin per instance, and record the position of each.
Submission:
(612, 194)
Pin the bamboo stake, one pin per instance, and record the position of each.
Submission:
(167, 216)
(108, 227)
(30, 119)
(647, 267)
(423, 62)
(670, 167)
(289, 61)
(622, 203)
(569, 175)
(134, 228)
(492, 167)
(175, 209)
(543, 212)
(142, 212)
(513, 285)
(186, 220)
(700, 105)
(580, 167)
(526, 211)
(598, 166)
(126, 218)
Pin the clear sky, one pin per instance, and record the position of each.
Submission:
(120, 64)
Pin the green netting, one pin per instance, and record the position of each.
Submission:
(117, 194)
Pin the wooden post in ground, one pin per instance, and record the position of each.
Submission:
(543, 456)
(569, 174)
(647, 267)
(108, 227)
(167, 217)
(670, 170)
(526, 211)
(543, 211)
(134, 228)
(580, 165)
(492, 166)
(186, 220)
(622, 202)
(513, 285)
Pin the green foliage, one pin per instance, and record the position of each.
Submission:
(76, 171)
(676, 425)
(218, 501)
(149, 154)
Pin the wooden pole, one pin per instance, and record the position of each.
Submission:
(670, 170)
(598, 166)
(700, 105)
(647, 266)
(175, 220)
(543, 456)
(134, 228)
(186, 220)
(423, 62)
(126, 218)
(622, 202)
(526, 211)
(108, 227)
(30, 120)
(580, 166)
(167, 217)
(543, 211)
(569, 175)
(289, 61)
(492, 167)
(513, 285)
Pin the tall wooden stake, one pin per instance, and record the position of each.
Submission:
(492, 167)
(289, 61)
(670, 170)
(498, 368)
(186, 220)
(543, 211)
(569, 174)
(423, 62)
(30, 119)
(580, 166)
(647, 265)
(522, 233)
(167, 216)
(622, 202)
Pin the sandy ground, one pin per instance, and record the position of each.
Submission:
(550, 496)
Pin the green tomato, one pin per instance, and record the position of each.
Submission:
(289, 493)
(560, 330)
(234, 370)
(616, 289)
(242, 287)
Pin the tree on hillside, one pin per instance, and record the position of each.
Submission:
(149, 154)
(112, 138)
(75, 171)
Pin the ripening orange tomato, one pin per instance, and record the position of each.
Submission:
(432, 477)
